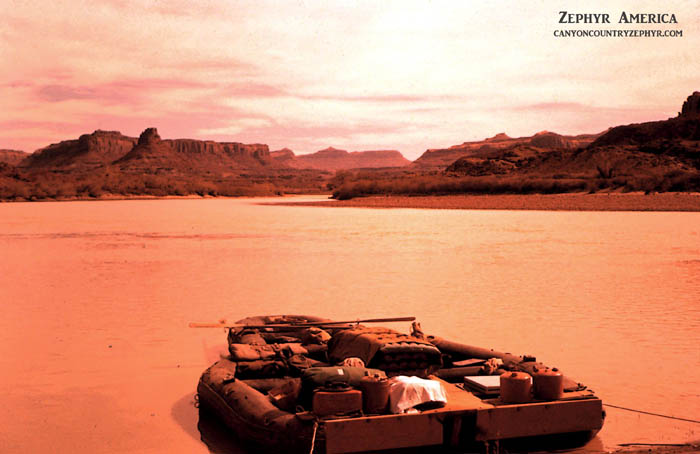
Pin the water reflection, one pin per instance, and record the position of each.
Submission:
(185, 413)
(218, 438)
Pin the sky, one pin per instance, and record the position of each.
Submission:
(357, 75)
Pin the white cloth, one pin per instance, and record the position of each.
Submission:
(407, 392)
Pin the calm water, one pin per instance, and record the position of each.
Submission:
(96, 356)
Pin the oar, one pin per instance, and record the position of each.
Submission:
(293, 325)
(367, 320)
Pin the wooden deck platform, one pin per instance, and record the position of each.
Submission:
(465, 418)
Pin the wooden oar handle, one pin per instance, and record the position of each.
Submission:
(208, 325)
(367, 320)
(293, 325)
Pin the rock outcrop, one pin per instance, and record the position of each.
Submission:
(500, 144)
(12, 157)
(500, 137)
(149, 136)
(691, 106)
(284, 154)
(655, 148)
(330, 152)
(148, 153)
(684, 127)
(151, 152)
(679, 128)
(332, 159)
(88, 151)
(551, 140)
(641, 149)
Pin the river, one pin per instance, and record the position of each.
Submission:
(96, 355)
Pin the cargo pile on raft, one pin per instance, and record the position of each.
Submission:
(305, 384)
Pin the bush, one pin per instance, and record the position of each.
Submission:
(443, 185)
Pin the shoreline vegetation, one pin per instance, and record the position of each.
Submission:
(610, 201)
(669, 201)
(350, 185)
(667, 194)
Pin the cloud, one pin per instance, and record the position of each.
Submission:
(236, 128)
(14, 125)
(18, 84)
(178, 8)
(205, 64)
(378, 98)
(609, 113)
(118, 91)
(252, 90)
(22, 134)
(302, 73)
(58, 93)
(298, 130)
(307, 136)
(553, 107)
(129, 89)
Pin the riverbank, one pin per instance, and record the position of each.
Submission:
(117, 197)
(668, 201)
(689, 448)
(108, 197)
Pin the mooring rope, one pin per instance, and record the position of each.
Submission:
(313, 437)
(652, 414)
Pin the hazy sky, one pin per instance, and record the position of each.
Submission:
(406, 75)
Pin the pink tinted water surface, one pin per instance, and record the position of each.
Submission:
(96, 355)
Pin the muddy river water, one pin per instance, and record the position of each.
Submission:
(96, 355)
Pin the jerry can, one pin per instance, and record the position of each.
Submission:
(375, 394)
(548, 384)
(516, 387)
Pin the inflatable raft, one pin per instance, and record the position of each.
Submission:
(302, 384)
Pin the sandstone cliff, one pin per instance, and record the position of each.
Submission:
(654, 148)
(152, 152)
(552, 141)
(12, 157)
(88, 151)
(332, 159)
(148, 153)
(686, 126)
(496, 146)
(691, 106)
(285, 154)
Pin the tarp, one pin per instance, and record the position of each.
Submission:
(406, 393)
(385, 349)
(315, 377)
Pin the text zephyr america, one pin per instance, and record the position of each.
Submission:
(565, 17)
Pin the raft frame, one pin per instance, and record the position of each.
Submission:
(465, 422)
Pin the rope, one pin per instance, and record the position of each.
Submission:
(313, 437)
(652, 414)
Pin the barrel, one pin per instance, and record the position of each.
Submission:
(548, 384)
(516, 387)
(337, 400)
(375, 394)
